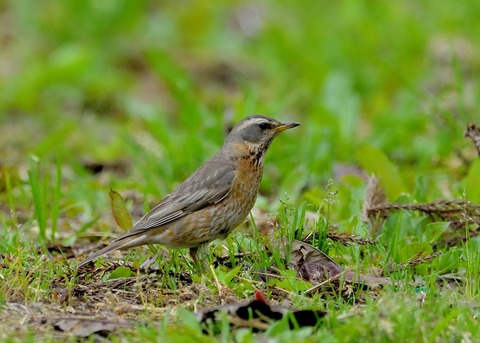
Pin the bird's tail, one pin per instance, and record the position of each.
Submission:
(127, 242)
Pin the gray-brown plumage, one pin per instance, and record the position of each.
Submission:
(214, 200)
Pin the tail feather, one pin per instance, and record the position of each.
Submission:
(128, 242)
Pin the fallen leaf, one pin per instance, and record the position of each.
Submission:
(316, 267)
(258, 314)
(83, 327)
(309, 262)
(119, 210)
(121, 272)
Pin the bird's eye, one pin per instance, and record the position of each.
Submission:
(263, 126)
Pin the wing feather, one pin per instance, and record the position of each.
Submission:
(203, 188)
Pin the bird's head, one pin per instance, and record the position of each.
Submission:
(255, 133)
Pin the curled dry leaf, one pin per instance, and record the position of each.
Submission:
(316, 267)
(310, 263)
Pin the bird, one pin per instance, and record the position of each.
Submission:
(214, 200)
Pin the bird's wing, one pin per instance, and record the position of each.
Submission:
(203, 188)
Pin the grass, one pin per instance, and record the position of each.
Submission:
(134, 96)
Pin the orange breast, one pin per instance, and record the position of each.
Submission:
(218, 220)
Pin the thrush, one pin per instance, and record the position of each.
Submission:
(214, 200)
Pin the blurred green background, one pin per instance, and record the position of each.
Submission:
(135, 95)
(149, 88)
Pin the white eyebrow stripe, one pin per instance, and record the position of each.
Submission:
(251, 122)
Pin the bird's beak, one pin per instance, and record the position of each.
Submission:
(285, 126)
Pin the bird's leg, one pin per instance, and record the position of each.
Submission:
(193, 254)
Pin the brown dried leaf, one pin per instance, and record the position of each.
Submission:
(310, 263)
(303, 252)
(316, 267)
(312, 259)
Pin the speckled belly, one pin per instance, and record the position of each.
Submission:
(218, 220)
